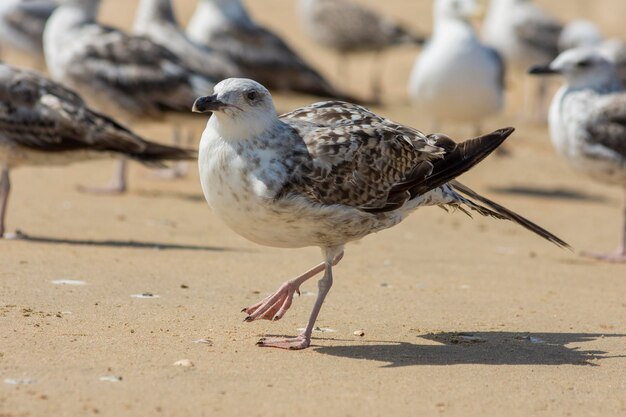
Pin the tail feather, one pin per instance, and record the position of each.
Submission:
(155, 154)
(493, 209)
(462, 158)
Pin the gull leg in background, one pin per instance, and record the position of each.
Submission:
(179, 169)
(274, 306)
(377, 77)
(619, 255)
(5, 188)
(117, 184)
(304, 340)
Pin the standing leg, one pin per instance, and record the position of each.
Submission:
(619, 255)
(5, 188)
(180, 168)
(377, 77)
(304, 340)
(117, 184)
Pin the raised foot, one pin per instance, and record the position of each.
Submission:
(291, 343)
(619, 256)
(274, 306)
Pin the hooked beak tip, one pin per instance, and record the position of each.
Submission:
(207, 104)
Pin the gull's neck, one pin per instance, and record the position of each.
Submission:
(153, 11)
(244, 127)
(447, 27)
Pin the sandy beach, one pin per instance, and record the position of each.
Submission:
(460, 316)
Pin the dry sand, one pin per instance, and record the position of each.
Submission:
(551, 326)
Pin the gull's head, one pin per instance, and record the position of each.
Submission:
(581, 67)
(457, 9)
(241, 107)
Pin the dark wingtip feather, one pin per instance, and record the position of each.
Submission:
(496, 210)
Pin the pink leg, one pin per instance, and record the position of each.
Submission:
(619, 255)
(274, 306)
(117, 185)
(304, 340)
(5, 188)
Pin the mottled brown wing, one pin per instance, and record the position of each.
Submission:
(137, 68)
(609, 127)
(350, 26)
(357, 158)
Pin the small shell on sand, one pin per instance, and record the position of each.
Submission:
(205, 341)
(111, 378)
(68, 282)
(319, 330)
(359, 333)
(184, 362)
(20, 381)
(145, 295)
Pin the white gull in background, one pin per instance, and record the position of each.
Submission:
(524, 35)
(21, 26)
(124, 75)
(325, 175)
(348, 28)
(588, 121)
(43, 123)
(225, 26)
(456, 78)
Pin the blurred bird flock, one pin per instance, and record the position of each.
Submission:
(84, 86)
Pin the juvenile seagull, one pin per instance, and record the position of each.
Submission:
(155, 19)
(44, 123)
(588, 121)
(325, 175)
(22, 23)
(124, 75)
(226, 27)
(456, 78)
(524, 35)
(347, 28)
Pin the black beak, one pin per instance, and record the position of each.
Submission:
(208, 104)
(542, 70)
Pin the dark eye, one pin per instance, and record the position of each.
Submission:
(584, 64)
(251, 95)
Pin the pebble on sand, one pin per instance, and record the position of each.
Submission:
(359, 333)
(184, 362)
(111, 378)
(20, 381)
(145, 295)
(68, 282)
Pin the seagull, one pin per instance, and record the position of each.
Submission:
(124, 75)
(155, 19)
(325, 175)
(21, 26)
(347, 28)
(456, 78)
(524, 35)
(44, 123)
(226, 27)
(588, 121)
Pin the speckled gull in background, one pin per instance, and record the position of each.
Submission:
(44, 123)
(124, 75)
(226, 27)
(347, 27)
(325, 175)
(588, 121)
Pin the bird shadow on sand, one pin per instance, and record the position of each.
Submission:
(479, 348)
(549, 193)
(179, 195)
(124, 244)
